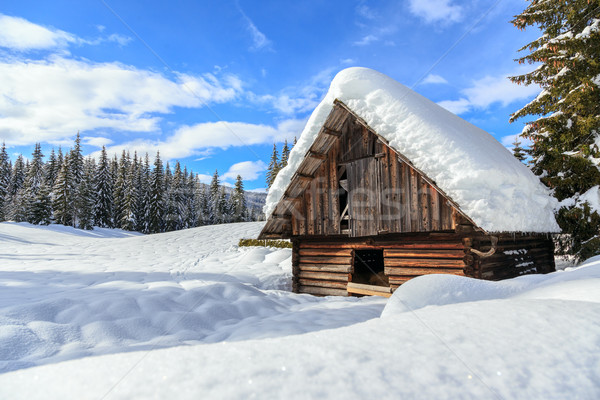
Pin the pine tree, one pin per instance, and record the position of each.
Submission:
(86, 196)
(40, 209)
(76, 160)
(131, 194)
(4, 183)
(63, 195)
(566, 125)
(273, 168)
(285, 154)
(51, 168)
(32, 184)
(518, 151)
(143, 207)
(103, 209)
(157, 203)
(240, 212)
(17, 177)
(213, 207)
(120, 187)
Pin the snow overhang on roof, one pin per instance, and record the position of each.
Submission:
(494, 189)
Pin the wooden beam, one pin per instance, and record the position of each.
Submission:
(304, 176)
(319, 156)
(369, 290)
(331, 132)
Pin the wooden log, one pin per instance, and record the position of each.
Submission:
(399, 271)
(399, 280)
(326, 268)
(325, 252)
(369, 290)
(320, 291)
(325, 260)
(325, 284)
(383, 245)
(321, 275)
(423, 253)
(428, 263)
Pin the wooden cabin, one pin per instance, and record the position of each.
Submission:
(363, 220)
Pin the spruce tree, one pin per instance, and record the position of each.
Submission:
(86, 196)
(120, 187)
(518, 151)
(240, 212)
(76, 162)
(214, 201)
(40, 209)
(143, 208)
(63, 195)
(32, 184)
(131, 194)
(273, 168)
(51, 168)
(285, 153)
(566, 114)
(4, 182)
(156, 222)
(103, 209)
(17, 177)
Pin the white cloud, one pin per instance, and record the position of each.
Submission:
(248, 170)
(434, 79)
(456, 106)
(366, 12)
(298, 99)
(433, 11)
(96, 141)
(487, 91)
(366, 40)
(52, 99)
(19, 34)
(194, 140)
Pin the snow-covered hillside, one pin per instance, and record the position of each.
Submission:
(188, 314)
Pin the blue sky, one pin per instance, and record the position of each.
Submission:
(215, 84)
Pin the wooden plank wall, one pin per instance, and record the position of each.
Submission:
(322, 270)
(386, 195)
(514, 256)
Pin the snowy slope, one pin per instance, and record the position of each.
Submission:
(66, 293)
(498, 192)
(189, 315)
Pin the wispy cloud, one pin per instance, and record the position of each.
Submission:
(434, 79)
(194, 140)
(489, 90)
(436, 11)
(259, 39)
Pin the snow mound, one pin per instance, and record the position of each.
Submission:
(579, 284)
(491, 186)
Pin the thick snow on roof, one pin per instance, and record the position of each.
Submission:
(490, 185)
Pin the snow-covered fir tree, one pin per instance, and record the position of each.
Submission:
(51, 168)
(565, 127)
(285, 154)
(86, 196)
(4, 182)
(240, 211)
(63, 195)
(130, 197)
(103, 209)
(214, 203)
(40, 208)
(156, 207)
(31, 188)
(274, 167)
(120, 187)
(518, 151)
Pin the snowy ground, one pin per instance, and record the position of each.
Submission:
(189, 314)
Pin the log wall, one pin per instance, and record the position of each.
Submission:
(324, 266)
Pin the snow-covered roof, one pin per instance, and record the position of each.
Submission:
(490, 185)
